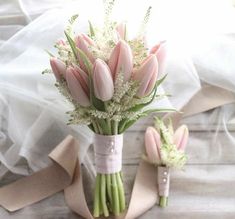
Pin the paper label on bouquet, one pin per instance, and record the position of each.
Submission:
(163, 181)
(108, 153)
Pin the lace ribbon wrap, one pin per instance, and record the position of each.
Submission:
(163, 181)
(108, 153)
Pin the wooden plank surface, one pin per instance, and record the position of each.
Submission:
(205, 189)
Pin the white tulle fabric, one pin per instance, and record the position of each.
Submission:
(201, 48)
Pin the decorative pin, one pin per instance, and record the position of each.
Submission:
(112, 150)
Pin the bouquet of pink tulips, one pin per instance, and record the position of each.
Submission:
(165, 149)
(109, 80)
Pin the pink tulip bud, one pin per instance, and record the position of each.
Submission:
(82, 77)
(102, 80)
(121, 60)
(146, 75)
(160, 51)
(121, 30)
(78, 86)
(153, 144)
(181, 137)
(83, 42)
(58, 68)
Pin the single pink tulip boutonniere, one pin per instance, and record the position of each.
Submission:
(165, 149)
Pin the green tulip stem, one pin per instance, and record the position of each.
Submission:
(115, 128)
(109, 190)
(121, 192)
(95, 127)
(96, 211)
(103, 195)
(116, 207)
(163, 202)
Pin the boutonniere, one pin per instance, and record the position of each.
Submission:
(165, 148)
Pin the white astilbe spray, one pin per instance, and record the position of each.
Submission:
(125, 106)
(170, 155)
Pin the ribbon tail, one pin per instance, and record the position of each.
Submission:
(207, 98)
(144, 191)
(75, 196)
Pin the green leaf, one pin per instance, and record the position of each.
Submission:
(125, 124)
(72, 44)
(92, 31)
(85, 60)
(141, 106)
(154, 92)
(103, 126)
(49, 53)
(91, 127)
(98, 104)
(160, 80)
(163, 110)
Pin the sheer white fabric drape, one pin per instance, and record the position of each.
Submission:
(201, 43)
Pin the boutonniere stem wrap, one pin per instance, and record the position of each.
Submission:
(165, 149)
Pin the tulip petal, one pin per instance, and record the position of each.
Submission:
(82, 77)
(121, 30)
(160, 51)
(76, 89)
(58, 68)
(82, 42)
(102, 81)
(121, 59)
(147, 75)
(153, 144)
(181, 137)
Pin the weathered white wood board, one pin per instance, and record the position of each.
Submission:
(204, 189)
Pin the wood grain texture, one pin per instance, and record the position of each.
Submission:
(204, 189)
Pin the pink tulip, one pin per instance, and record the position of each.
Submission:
(121, 30)
(121, 60)
(83, 42)
(181, 137)
(160, 51)
(153, 144)
(102, 81)
(146, 75)
(82, 77)
(78, 85)
(58, 68)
